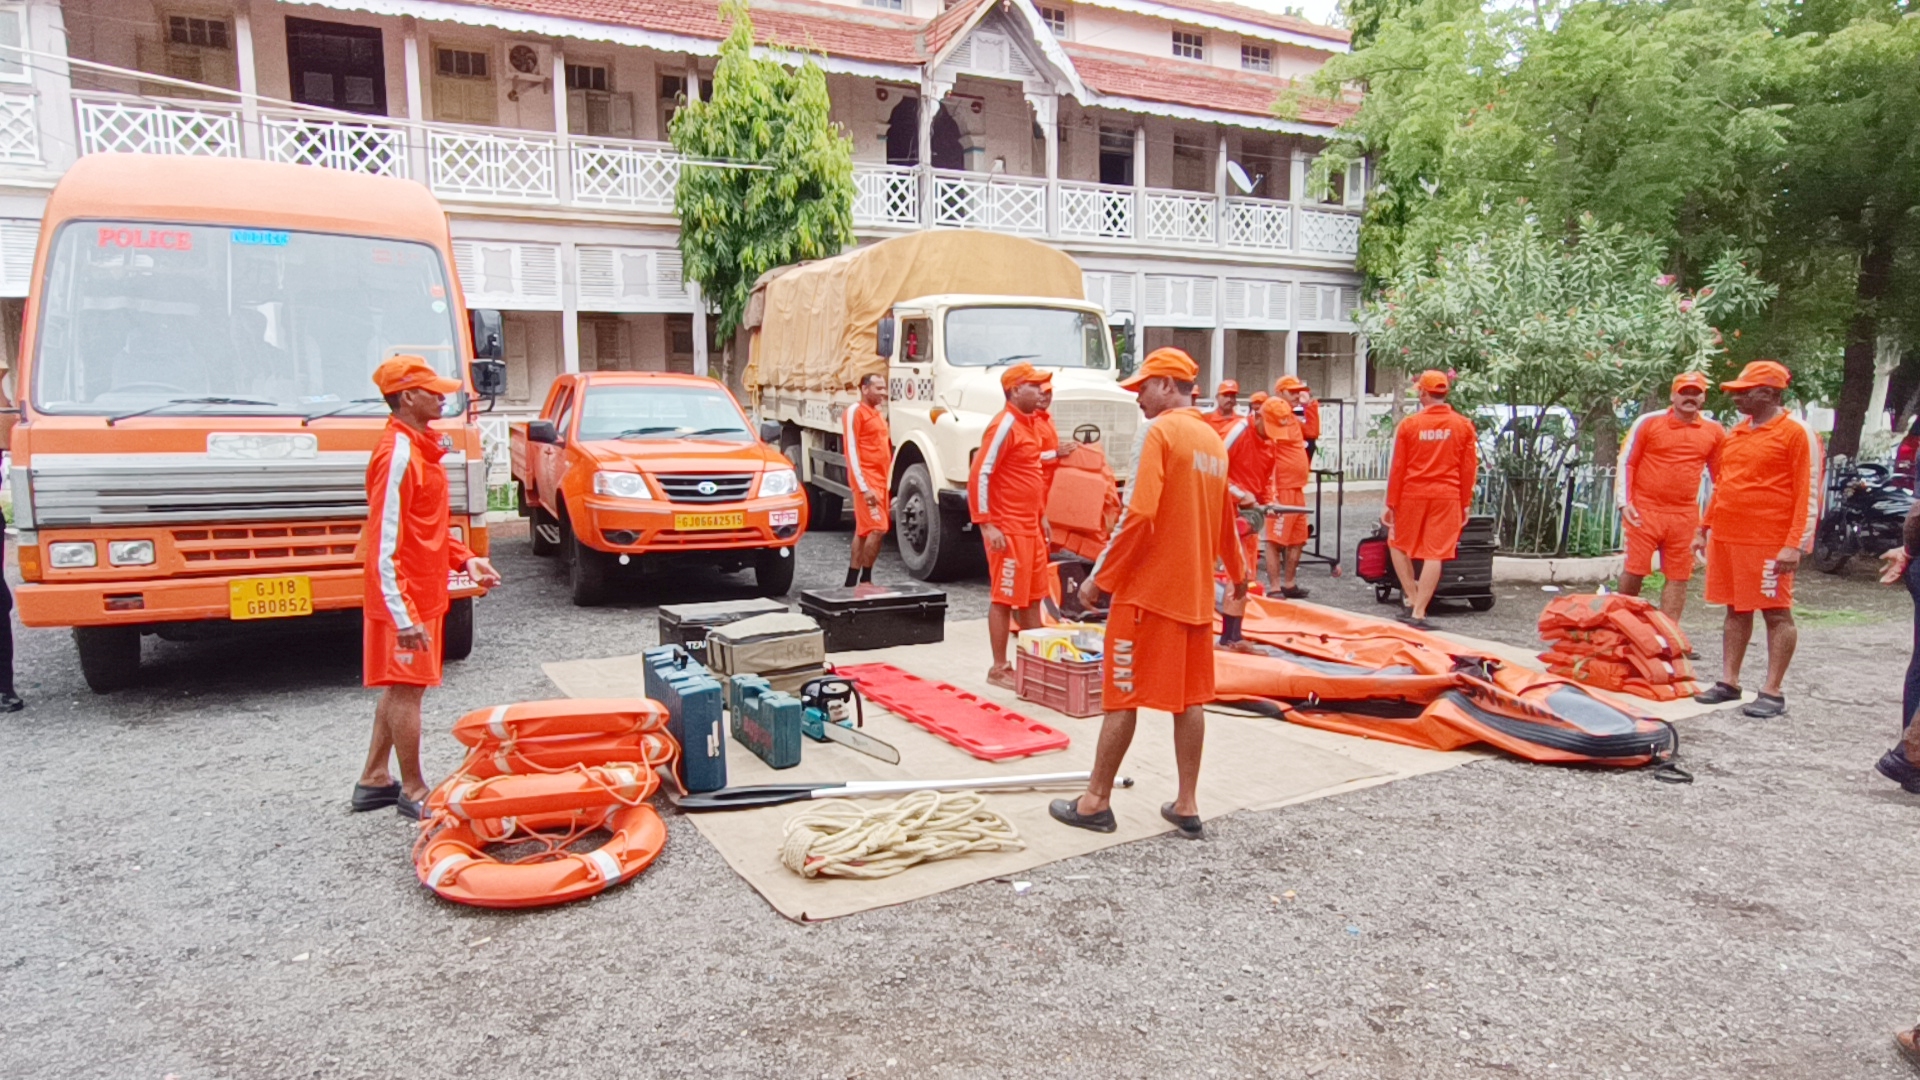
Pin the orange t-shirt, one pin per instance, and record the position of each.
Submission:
(1249, 461)
(1767, 484)
(1291, 467)
(1177, 524)
(1221, 424)
(1310, 419)
(869, 449)
(1049, 437)
(1435, 456)
(1007, 487)
(1661, 462)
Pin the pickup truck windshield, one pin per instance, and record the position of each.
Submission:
(1044, 337)
(208, 319)
(661, 412)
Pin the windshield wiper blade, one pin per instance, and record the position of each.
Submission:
(112, 420)
(717, 431)
(1015, 356)
(354, 404)
(631, 432)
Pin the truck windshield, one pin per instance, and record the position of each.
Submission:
(208, 319)
(1044, 337)
(661, 412)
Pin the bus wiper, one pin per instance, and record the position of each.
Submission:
(1015, 356)
(716, 431)
(112, 420)
(631, 432)
(354, 404)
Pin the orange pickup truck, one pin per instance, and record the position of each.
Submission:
(624, 468)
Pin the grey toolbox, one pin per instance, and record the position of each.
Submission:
(686, 625)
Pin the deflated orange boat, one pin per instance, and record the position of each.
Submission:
(1362, 676)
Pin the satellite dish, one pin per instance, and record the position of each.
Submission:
(1239, 177)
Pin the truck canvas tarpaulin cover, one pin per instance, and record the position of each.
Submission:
(821, 316)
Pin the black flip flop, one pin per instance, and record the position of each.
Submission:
(374, 798)
(1417, 624)
(1188, 824)
(1067, 812)
(1294, 592)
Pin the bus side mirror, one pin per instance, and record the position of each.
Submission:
(883, 337)
(488, 342)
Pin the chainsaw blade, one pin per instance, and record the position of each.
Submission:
(855, 739)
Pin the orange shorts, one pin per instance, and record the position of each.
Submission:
(1018, 573)
(1288, 530)
(1427, 528)
(383, 663)
(1742, 577)
(1152, 662)
(871, 519)
(1670, 533)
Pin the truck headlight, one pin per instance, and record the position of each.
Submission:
(779, 482)
(72, 555)
(621, 485)
(130, 552)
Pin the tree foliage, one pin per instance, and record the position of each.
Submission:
(793, 202)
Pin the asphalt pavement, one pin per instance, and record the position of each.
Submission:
(185, 895)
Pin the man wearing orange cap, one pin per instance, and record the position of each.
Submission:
(1158, 568)
(1765, 507)
(1007, 491)
(1250, 449)
(1226, 407)
(1304, 407)
(407, 550)
(1292, 467)
(1660, 467)
(869, 448)
(1429, 489)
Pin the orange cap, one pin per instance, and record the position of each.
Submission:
(1275, 415)
(411, 373)
(1288, 384)
(1022, 373)
(1690, 380)
(1259, 396)
(1171, 363)
(1434, 382)
(1760, 373)
(1227, 386)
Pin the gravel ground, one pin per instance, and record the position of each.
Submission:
(185, 895)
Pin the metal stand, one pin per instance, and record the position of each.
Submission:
(1338, 474)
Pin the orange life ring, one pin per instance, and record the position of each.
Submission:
(451, 860)
(552, 755)
(561, 717)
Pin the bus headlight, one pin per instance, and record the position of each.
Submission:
(130, 552)
(72, 555)
(779, 482)
(621, 485)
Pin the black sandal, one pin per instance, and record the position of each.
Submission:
(374, 798)
(1718, 694)
(1067, 812)
(1294, 592)
(1188, 824)
(1765, 706)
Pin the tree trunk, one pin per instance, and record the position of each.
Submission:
(1603, 426)
(1863, 338)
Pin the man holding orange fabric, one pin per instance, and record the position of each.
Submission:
(1765, 507)
(1007, 492)
(1250, 448)
(1660, 469)
(1158, 568)
(1429, 490)
(1292, 468)
(869, 450)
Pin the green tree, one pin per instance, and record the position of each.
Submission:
(769, 180)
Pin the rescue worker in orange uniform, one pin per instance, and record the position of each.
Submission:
(1158, 568)
(1429, 490)
(1052, 449)
(869, 450)
(1007, 493)
(408, 550)
(1226, 407)
(1250, 449)
(1761, 519)
(1292, 468)
(1660, 466)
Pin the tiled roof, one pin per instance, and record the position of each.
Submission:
(829, 28)
(1261, 18)
(1129, 75)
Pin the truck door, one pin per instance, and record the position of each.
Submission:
(551, 463)
(910, 375)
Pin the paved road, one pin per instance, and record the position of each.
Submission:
(184, 894)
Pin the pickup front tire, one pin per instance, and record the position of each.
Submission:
(456, 630)
(933, 542)
(773, 572)
(109, 656)
(588, 571)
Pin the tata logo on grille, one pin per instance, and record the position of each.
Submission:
(707, 487)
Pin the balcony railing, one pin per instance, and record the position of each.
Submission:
(529, 167)
(19, 129)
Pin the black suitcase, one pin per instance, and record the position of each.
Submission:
(1467, 576)
(686, 625)
(877, 616)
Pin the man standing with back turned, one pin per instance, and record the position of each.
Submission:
(407, 550)
(1008, 495)
(1765, 506)
(1158, 567)
(1660, 490)
(869, 447)
(1429, 489)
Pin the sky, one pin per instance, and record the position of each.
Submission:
(1320, 11)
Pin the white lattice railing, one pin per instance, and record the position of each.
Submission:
(886, 195)
(631, 175)
(349, 145)
(1258, 223)
(1095, 211)
(980, 201)
(505, 166)
(1328, 233)
(116, 125)
(1181, 219)
(19, 129)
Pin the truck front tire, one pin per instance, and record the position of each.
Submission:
(456, 630)
(933, 543)
(109, 656)
(773, 572)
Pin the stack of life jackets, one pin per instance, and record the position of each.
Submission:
(1618, 643)
(1084, 502)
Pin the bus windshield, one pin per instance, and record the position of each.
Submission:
(1043, 337)
(184, 319)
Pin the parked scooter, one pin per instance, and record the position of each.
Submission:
(1865, 515)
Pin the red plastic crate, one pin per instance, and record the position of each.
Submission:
(1065, 686)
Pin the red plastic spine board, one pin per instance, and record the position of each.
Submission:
(970, 722)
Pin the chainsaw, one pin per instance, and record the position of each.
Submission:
(831, 710)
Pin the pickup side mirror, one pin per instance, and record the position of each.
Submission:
(883, 337)
(488, 339)
(770, 432)
(490, 378)
(542, 431)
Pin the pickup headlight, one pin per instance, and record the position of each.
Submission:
(130, 552)
(779, 482)
(72, 555)
(621, 485)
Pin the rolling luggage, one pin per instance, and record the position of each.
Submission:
(1467, 576)
(875, 616)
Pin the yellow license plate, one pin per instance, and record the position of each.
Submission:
(698, 522)
(271, 597)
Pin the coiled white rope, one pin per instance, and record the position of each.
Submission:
(841, 838)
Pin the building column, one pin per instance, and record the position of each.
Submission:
(1217, 357)
(1220, 193)
(932, 91)
(562, 137)
(250, 133)
(569, 308)
(411, 48)
(1139, 220)
(1297, 195)
(53, 83)
(1359, 379)
(1046, 110)
(1293, 355)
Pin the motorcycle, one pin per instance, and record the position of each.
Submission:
(1866, 515)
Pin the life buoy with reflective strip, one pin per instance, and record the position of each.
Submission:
(451, 860)
(652, 749)
(560, 717)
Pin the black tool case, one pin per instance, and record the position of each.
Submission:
(877, 616)
(686, 625)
